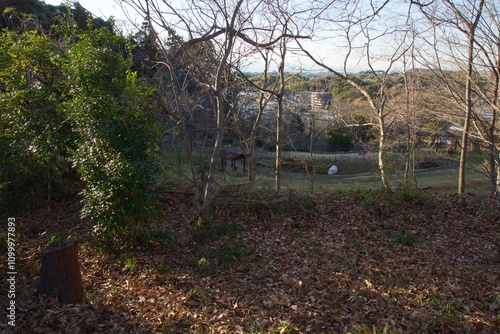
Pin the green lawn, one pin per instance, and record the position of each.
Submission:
(355, 171)
(442, 181)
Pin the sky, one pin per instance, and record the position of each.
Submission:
(325, 50)
(103, 9)
(107, 8)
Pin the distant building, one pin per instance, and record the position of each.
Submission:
(320, 100)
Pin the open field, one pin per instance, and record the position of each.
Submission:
(441, 181)
(360, 171)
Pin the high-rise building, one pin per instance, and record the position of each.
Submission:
(320, 100)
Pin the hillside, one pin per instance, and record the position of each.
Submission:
(359, 262)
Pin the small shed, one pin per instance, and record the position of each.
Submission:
(233, 157)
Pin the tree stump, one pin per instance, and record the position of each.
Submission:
(61, 276)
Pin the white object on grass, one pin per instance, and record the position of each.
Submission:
(333, 170)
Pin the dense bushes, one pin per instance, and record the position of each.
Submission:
(35, 135)
(117, 134)
(72, 107)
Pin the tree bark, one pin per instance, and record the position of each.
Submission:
(210, 186)
(279, 116)
(381, 150)
(471, 26)
(279, 119)
(252, 163)
(498, 179)
(61, 274)
(219, 86)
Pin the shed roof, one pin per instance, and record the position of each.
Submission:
(231, 155)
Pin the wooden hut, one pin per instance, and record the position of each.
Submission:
(232, 157)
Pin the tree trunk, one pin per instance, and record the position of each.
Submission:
(210, 186)
(463, 152)
(279, 119)
(219, 87)
(279, 116)
(252, 163)
(311, 156)
(381, 151)
(61, 274)
(492, 137)
(498, 179)
(468, 90)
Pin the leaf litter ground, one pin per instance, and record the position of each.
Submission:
(354, 262)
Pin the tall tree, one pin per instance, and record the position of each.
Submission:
(216, 22)
(97, 126)
(249, 128)
(467, 24)
(363, 27)
(464, 17)
(488, 88)
(225, 24)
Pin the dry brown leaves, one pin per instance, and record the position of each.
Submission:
(323, 265)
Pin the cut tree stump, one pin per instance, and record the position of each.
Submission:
(61, 276)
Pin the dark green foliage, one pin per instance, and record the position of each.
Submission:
(391, 200)
(35, 134)
(209, 232)
(404, 238)
(72, 108)
(341, 88)
(358, 131)
(22, 15)
(363, 131)
(233, 252)
(320, 169)
(116, 134)
(340, 139)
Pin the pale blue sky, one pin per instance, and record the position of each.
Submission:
(103, 9)
(329, 49)
(97, 7)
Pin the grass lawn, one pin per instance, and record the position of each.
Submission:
(360, 172)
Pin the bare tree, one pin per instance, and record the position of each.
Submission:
(279, 95)
(260, 91)
(464, 17)
(410, 82)
(225, 24)
(285, 24)
(488, 89)
(362, 22)
(467, 26)
(290, 27)
(221, 23)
